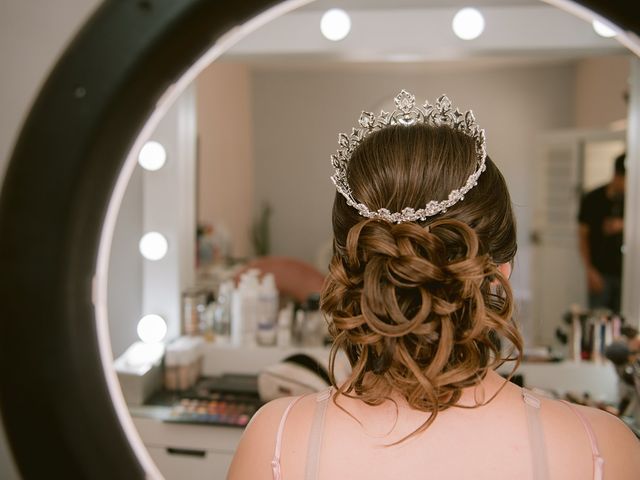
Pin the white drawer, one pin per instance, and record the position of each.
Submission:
(193, 465)
(156, 433)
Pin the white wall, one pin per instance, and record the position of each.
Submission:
(601, 84)
(124, 295)
(162, 201)
(298, 114)
(169, 208)
(32, 36)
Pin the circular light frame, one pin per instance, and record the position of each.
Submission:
(105, 100)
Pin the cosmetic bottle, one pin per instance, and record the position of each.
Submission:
(222, 312)
(314, 329)
(267, 311)
(194, 302)
(285, 320)
(244, 309)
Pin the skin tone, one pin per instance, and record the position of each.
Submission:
(505, 269)
(492, 440)
(610, 226)
(487, 442)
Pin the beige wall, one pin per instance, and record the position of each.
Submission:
(601, 83)
(298, 114)
(225, 170)
(271, 131)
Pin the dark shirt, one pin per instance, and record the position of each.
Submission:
(605, 250)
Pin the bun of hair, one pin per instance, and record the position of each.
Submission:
(418, 307)
(412, 307)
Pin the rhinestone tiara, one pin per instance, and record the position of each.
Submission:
(407, 114)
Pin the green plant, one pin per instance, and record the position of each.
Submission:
(260, 232)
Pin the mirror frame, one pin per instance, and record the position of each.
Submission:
(56, 404)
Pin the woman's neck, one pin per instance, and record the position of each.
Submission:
(484, 391)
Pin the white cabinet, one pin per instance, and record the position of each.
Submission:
(181, 466)
(189, 452)
(598, 379)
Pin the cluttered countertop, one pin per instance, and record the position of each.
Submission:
(229, 400)
(231, 359)
(229, 375)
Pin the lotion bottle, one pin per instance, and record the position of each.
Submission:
(267, 314)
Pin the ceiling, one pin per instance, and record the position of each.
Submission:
(410, 4)
(419, 32)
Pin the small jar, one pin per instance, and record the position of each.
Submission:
(283, 334)
(182, 363)
(194, 303)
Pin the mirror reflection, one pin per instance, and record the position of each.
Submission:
(234, 189)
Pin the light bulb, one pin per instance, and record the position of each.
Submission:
(603, 30)
(152, 328)
(153, 246)
(335, 24)
(468, 24)
(152, 156)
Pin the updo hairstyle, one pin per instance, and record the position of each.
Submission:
(418, 306)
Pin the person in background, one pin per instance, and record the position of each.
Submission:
(601, 224)
(417, 291)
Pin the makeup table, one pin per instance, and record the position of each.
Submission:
(193, 436)
(190, 443)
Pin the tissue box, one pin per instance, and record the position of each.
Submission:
(139, 372)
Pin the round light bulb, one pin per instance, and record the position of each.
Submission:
(603, 30)
(153, 246)
(468, 24)
(335, 24)
(152, 328)
(152, 156)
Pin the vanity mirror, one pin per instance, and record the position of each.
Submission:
(104, 100)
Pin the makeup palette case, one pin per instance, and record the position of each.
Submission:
(295, 375)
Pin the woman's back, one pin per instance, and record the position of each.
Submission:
(418, 298)
(489, 442)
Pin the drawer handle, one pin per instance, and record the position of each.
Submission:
(187, 451)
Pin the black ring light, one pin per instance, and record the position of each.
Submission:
(55, 402)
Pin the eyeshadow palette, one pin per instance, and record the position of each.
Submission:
(220, 409)
(229, 400)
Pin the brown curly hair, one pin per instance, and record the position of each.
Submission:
(419, 307)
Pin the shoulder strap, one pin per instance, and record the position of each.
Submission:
(540, 463)
(275, 463)
(315, 435)
(598, 461)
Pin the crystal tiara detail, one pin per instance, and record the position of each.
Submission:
(407, 114)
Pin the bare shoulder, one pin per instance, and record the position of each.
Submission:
(618, 445)
(255, 451)
(609, 429)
